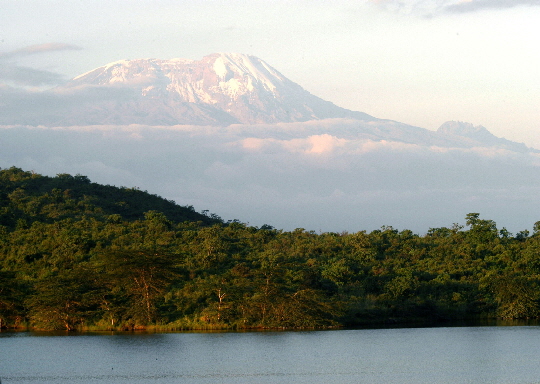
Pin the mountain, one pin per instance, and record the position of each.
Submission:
(478, 136)
(220, 89)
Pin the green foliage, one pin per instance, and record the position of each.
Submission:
(517, 296)
(11, 296)
(75, 254)
(64, 301)
(32, 197)
(137, 278)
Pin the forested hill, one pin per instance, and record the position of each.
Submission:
(26, 197)
(77, 255)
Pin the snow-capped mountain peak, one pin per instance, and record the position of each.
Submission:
(221, 88)
(231, 74)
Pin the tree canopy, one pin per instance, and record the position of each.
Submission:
(79, 255)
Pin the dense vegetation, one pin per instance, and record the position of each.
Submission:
(79, 255)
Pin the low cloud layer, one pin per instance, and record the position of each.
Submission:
(26, 106)
(13, 73)
(25, 76)
(323, 176)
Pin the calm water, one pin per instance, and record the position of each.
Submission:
(415, 355)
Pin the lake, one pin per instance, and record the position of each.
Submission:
(508, 355)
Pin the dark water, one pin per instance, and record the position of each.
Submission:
(415, 355)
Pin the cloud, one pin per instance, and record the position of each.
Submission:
(422, 7)
(28, 107)
(13, 73)
(325, 143)
(28, 76)
(293, 175)
(38, 48)
(314, 144)
(439, 7)
(478, 5)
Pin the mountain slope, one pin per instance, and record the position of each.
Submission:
(220, 89)
(30, 197)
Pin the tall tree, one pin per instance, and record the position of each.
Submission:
(142, 276)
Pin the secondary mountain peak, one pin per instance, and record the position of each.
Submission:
(479, 134)
(221, 88)
(461, 128)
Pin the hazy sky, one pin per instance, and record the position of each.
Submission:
(420, 62)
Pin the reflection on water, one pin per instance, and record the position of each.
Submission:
(409, 355)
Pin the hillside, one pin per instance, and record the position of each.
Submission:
(26, 197)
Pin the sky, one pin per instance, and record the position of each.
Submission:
(418, 62)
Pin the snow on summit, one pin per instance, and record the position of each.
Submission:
(232, 74)
(250, 67)
(221, 88)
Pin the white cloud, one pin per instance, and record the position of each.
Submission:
(465, 6)
(38, 48)
(314, 144)
(324, 143)
(291, 175)
(435, 7)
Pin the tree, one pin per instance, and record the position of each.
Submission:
(516, 296)
(481, 230)
(142, 276)
(10, 307)
(65, 300)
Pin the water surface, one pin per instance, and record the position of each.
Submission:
(475, 355)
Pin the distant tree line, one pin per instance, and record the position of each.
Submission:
(77, 255)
